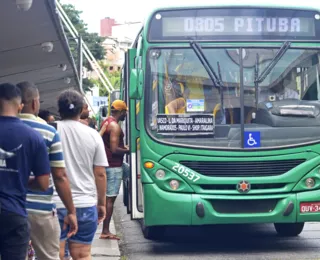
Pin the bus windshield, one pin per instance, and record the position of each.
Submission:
(186, 107)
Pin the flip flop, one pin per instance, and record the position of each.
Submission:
(109, 236)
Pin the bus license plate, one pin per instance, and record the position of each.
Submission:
(308, 207)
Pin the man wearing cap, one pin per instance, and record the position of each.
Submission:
(113, 139)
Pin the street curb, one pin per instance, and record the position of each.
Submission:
(106, 249)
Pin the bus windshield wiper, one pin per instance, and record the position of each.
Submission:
(285, 46)
(211, 72)
(258, 79)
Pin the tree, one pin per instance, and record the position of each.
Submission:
(94, 43)
(87, 84)
(92, 40)
(114, 78)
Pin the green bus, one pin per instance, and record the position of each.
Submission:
(224, 117)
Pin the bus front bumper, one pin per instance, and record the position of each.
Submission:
(170, 208)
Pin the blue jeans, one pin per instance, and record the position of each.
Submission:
(114, 178)
(14, 233)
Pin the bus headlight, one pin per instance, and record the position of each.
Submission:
(174, 184)
(160, 174)
(310, 183)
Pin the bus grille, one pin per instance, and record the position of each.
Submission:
(244, 206)
(242, 169)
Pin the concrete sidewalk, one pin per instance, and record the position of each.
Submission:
(105, 249)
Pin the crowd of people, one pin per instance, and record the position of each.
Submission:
(58, 179)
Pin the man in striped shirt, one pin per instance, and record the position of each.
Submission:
(44, 223)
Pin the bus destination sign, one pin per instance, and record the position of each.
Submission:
(185, 124)
(235, 24)
(282, 26)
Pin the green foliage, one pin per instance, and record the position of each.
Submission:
(114, 78)
(93, 40)
(94, 43)
(87, 84)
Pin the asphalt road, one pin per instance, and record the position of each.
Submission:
(219, 242)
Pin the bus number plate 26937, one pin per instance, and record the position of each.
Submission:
(192, 176)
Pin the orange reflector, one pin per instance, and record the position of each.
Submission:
(149, 165)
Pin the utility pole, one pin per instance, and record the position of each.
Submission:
(80, 62)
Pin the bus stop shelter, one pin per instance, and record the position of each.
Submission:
(33, 47)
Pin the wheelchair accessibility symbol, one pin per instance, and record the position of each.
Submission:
(251, 139)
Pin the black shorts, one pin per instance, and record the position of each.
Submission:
(14, 236)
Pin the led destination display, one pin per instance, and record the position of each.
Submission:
(235, 24)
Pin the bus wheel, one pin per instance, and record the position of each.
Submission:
(289, 229)
(153, 232)
(129, 201)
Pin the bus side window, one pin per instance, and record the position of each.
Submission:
(309, 84)
(309, 81)
(311, 93)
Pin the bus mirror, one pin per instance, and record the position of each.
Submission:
(136, 84)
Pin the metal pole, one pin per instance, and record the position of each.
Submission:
(80, 70)
(80, 62)
(241, 99)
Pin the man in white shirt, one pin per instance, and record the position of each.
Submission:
(85, 160)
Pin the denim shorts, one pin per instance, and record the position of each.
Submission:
(114, 178)
(87, 225)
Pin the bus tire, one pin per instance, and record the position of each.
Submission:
(153, 232)
(129, 200)
(289, 229)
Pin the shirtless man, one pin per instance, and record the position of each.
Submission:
(113, 138)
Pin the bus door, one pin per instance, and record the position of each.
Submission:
(135, 195)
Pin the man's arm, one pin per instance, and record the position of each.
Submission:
(115, 131)
(103, 128)
(99, 163)
(39, 183)
(101, 184)
(40, 165)
(62, 185)
(175, 105)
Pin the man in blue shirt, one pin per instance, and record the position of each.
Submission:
(22, 150)
(43, 221)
